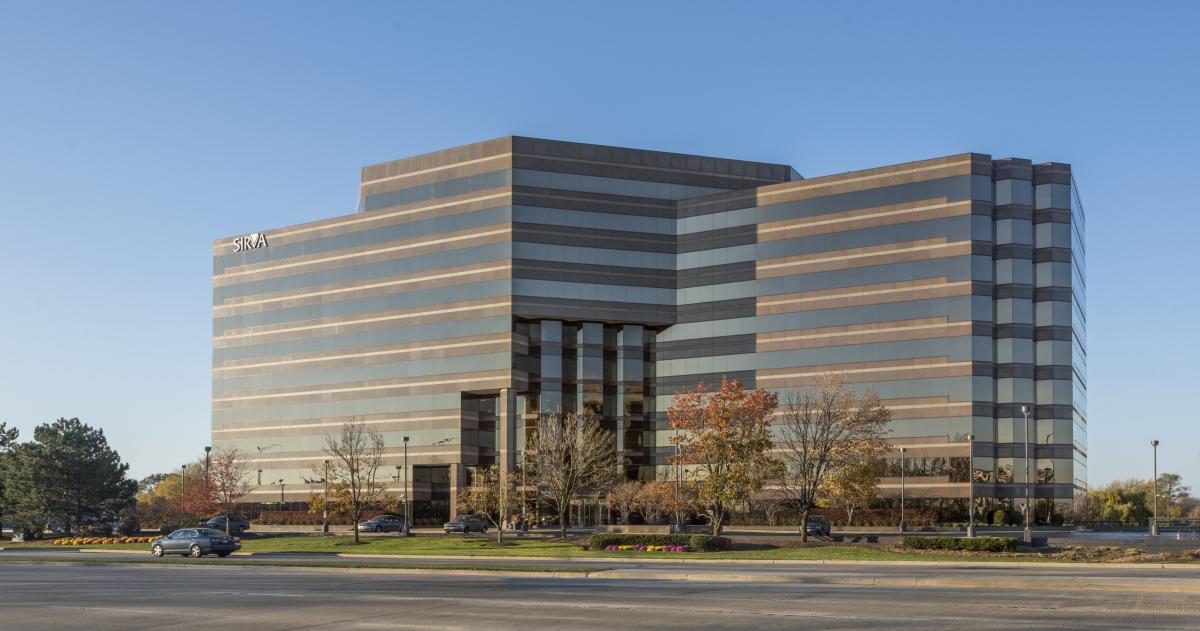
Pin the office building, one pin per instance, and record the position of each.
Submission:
(477, 287)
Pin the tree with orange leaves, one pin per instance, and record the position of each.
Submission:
(726, 436)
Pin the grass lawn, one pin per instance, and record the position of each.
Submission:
(485, 546)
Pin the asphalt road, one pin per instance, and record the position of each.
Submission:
(122, 596)
(981, 570)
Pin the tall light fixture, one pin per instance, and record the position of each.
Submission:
(903, 524)
(407, 515)
(1028, 482)
(971, 485)
(325, 506)
(1154, 523)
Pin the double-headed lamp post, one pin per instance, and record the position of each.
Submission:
(903, 524)
(971, 485)
(1025, 410)
(1154, 483)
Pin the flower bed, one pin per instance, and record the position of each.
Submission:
(644, 548)
(89, 541)
(626, 541)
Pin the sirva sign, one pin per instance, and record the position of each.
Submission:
(250, 242)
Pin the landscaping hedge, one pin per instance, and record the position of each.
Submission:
(706, 543)
(974, 544)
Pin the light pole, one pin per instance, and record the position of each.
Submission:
(325, 506)
(1053, 470)
(207, 462)
(1154, 523)
(281, 500)
(184, 469)
(407, 517)
(1028, 481)
(903, 525)
(678, 483)
(971, 485)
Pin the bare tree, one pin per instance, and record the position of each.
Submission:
(228, 480)
(573, 453)
(356, 456)
(824, 430)
(489, 495)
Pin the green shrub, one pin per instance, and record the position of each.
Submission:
(707, 543)
(974, 544)
(1000, 517)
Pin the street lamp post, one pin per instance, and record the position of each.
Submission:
(1053, 470)
(678, 483)
(407, 517)
(184, 469)
(903, 524)
(1154, 523)
(207, 462)
(971, 485)
(1028, 482)
(325, 505)
(281, 500)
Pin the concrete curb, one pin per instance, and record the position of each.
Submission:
(142, 552)
(786, 562)
(982, 563)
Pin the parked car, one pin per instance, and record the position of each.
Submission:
(383, 523)
(466, 524)
(237, 524)
(817, 525)
(195, 542)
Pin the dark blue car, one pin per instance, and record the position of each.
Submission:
(195, 542)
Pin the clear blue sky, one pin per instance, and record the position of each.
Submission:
(132, 134)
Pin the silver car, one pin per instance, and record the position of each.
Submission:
(382, 523)
(195, 542)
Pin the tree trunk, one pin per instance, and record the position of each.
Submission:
(850, 516)
(804, 525)
(562, 520)
(718, 518)
(357, 517)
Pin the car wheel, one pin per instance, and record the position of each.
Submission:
(222, 554)
(156, 551)
(379, 529)
(483, 530)
(196, 552)
(466, 530)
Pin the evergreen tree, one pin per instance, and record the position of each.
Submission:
(67, 474)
